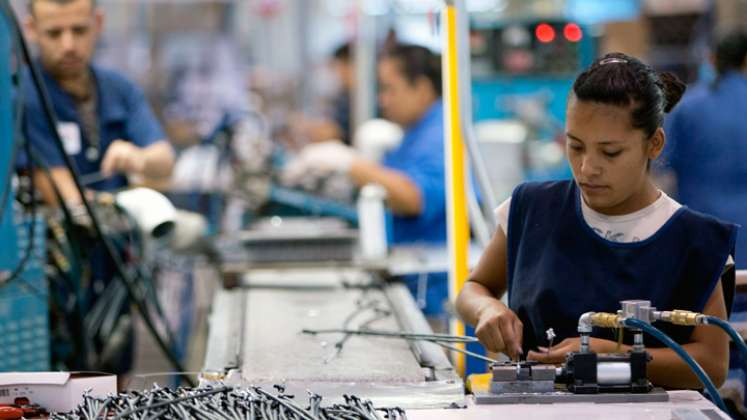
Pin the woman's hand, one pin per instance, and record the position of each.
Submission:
(500, 330)
(557, 353)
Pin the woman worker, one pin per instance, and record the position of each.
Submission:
(569, 247)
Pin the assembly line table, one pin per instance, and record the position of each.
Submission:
(257, 322)
(683, 405)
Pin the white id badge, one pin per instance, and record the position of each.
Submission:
(70, 133)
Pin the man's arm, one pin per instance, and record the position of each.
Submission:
(63, 179)
(159, 160)
(153, 161)
(403, 196)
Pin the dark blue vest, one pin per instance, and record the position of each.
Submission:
(559, 268)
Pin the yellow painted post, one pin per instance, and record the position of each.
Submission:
(456, 203)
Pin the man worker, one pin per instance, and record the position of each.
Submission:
(109, 131)
(707, 140)
(105, 121)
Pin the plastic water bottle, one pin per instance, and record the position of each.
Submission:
(372, 222)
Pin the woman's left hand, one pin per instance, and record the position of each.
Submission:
(557, 353)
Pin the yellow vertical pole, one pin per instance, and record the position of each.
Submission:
(456, 203)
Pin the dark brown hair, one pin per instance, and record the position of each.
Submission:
(33, 2)
(731, 51)
(619, 79)
(416, 61)
(343, 52)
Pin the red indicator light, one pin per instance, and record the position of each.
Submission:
(572, 32)
(544, 33)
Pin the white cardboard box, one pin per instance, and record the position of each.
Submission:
(55, 391)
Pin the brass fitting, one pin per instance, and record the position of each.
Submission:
(681, 317)
(606, 320)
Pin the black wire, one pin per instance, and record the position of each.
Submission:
(136, 237)
(51, 118)
(17, 273)
(77, 313)
(67, 214)
(23, 263)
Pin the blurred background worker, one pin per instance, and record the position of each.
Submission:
(412, 173)
(109, 131)
(707, 137)
(342, 63)
(335, 126)
(106, 124)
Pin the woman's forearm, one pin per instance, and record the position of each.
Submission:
(667, 369)
(473, 300)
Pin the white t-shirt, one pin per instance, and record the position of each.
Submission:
(633, 227)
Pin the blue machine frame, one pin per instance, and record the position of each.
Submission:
(24, 307)
(9, 248)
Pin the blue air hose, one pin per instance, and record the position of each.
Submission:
(733, 334)
(692, 363)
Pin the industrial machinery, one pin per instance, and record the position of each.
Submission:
(524, 58)
(65, 291)
(587, 376)
(24, 311)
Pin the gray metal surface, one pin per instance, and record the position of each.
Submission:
(513, 372)
(694, 414)
(276, 351)
(513, 379)
(678, 400)
(299, 240)
(278, 304)
(226, 324)
(402, 260)
(521, 387)
(657, 395)
(412, 320)
(416, 259)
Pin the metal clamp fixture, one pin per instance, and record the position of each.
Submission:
(590, 376)
(589, 372)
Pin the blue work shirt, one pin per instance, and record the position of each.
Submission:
(420, 156)
(707, 150)
(122, 111)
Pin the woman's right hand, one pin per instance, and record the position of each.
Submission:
(500, 330)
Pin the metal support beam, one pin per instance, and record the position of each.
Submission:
(456, 209)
